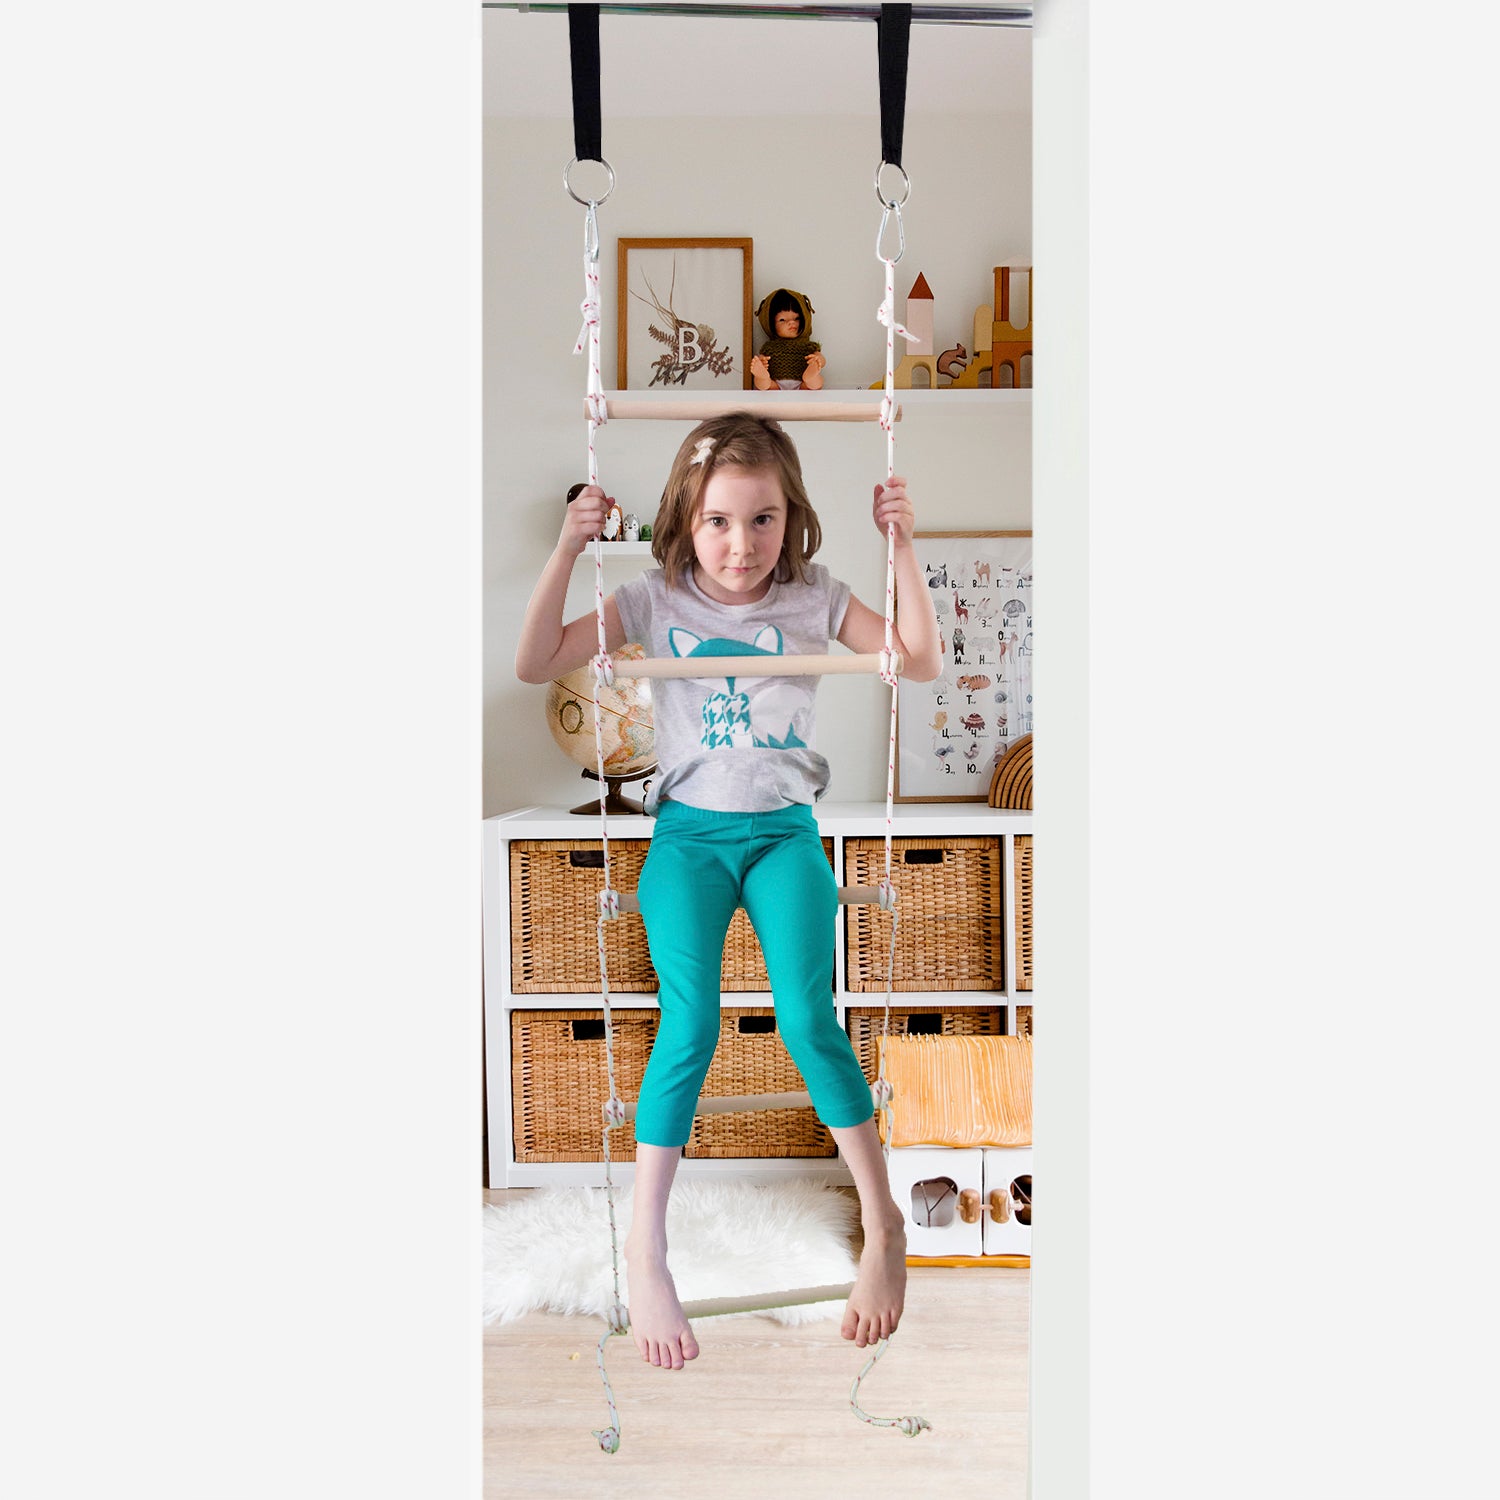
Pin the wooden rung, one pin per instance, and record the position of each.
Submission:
(756, 666)
(781, 409)
(849, 895)
(740, 1104)
(717, 1307)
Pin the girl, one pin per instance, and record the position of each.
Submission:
(737, 776)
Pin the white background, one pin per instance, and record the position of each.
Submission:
(242, 616)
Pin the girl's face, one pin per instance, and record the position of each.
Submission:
(737, 534)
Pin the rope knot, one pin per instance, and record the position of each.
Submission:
(609, 1439)
(617, 1317)
(887, 411)
(911, 1426)
(614, 1112)
(887, 895)
(881, 1093)
(590, 309)
(609, 903)
(598, 407)
(604, 670)
(888, 674)
(886, 314)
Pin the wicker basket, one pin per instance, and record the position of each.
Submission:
(559, 1081)
(554, 912)
(751, 1059)
(866, 1025)
(1023, 911)
(554, 909)
(949, 904)
(1023, 1020)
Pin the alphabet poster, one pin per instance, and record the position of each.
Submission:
(950, 732)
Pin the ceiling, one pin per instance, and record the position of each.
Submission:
(668, 65)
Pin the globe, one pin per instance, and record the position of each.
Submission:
(629, 735)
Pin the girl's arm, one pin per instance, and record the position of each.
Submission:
(548, 648)
(915, 631)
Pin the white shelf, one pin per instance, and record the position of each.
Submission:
(617, 549)
(943, 396)
(855, 819)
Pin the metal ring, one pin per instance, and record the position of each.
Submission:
(567, 182)
(880, 197)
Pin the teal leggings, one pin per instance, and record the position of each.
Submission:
(700, 867)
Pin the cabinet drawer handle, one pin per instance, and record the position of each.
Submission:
(586, 859)
(968, 1206)
(922, 856)
(1000, 1206)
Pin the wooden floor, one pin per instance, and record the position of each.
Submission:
(764, 1410)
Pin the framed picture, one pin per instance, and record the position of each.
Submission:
(684, 314)
(950, 732)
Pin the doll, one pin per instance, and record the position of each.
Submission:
(789, 359)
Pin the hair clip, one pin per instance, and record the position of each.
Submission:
(701, 452)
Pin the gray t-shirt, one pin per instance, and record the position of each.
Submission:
(734, 745)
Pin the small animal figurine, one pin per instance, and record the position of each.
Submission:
(613, 521)
(952, 361)
(632, 527)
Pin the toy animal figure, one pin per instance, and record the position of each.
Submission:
(613, 521)
(952, 361)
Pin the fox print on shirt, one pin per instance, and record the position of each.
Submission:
(763, 714)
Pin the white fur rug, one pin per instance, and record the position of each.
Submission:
(548, 1250)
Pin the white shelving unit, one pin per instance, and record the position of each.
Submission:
(921, 396)
(838, 821)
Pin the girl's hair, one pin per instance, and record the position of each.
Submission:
(737, 440)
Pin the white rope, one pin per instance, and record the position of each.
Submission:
(609, 898)
(880, 1091)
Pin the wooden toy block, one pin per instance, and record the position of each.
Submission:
(918, 319)
(1009, 344)
(984, 332)
(901, 375)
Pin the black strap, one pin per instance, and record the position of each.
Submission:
(583, 46)
(892, 34)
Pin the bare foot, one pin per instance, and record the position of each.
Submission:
(879, 1293)
(657, 1322)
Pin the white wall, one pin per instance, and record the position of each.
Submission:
(801, 188)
